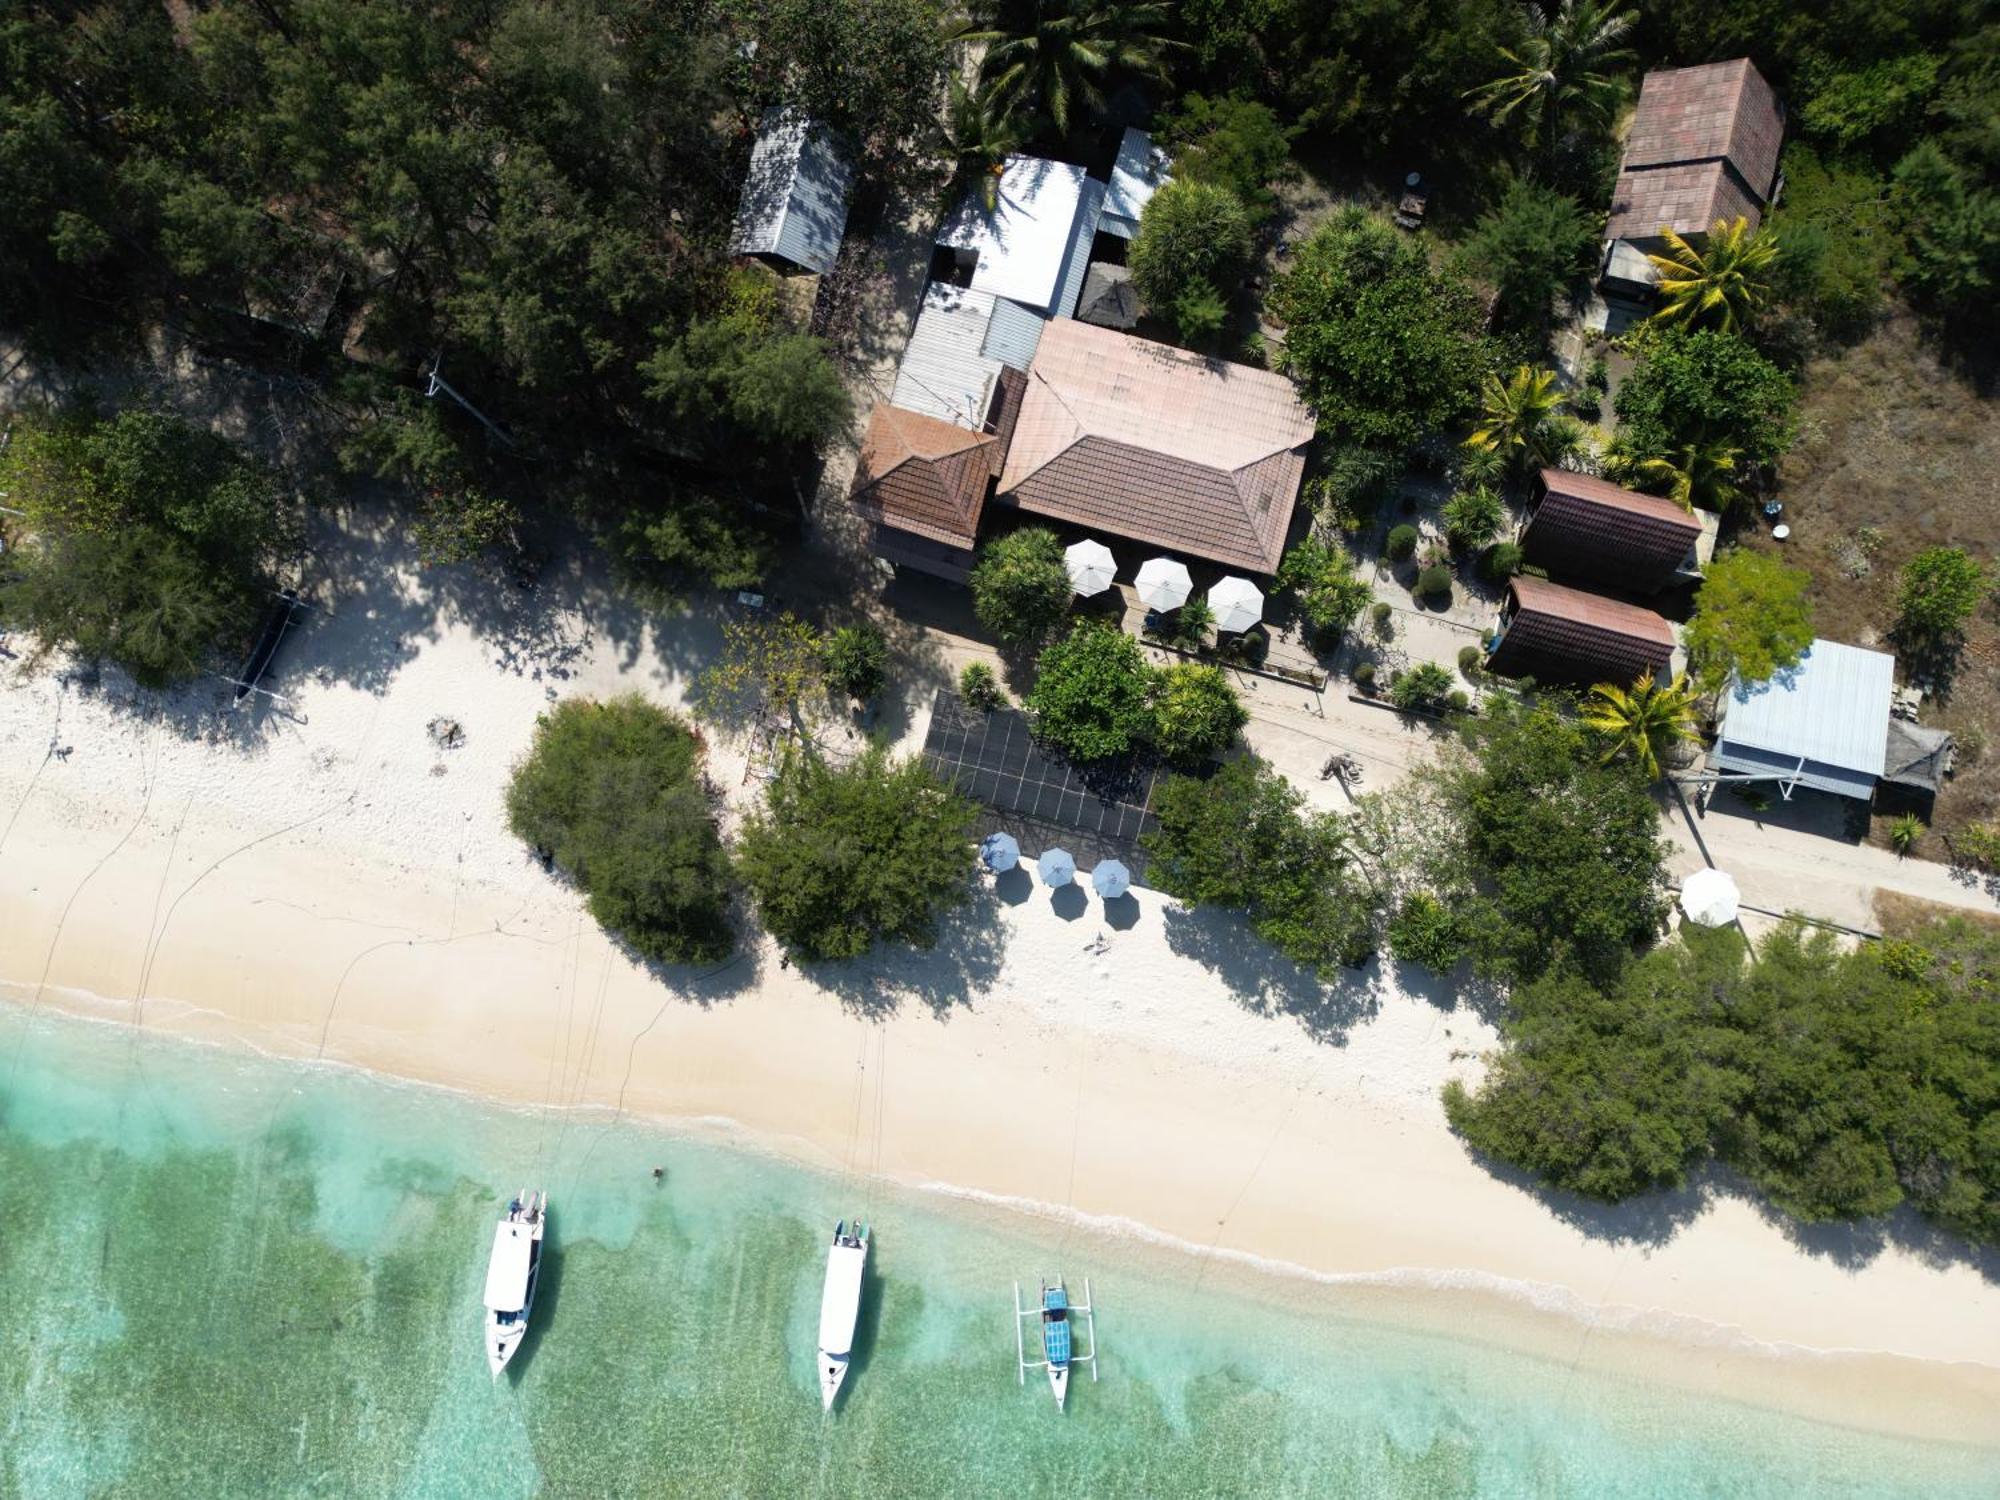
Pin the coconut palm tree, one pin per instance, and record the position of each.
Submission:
(1518, 418)
(1567, 66)
(1701, 471)
(1717, 284)
(1052, 55)
(981, 130)
(1646, 718)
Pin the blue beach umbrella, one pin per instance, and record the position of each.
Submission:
(1000, 853)
(1111, 879)
(1057, 868)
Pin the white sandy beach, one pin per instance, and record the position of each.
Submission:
(336, 886)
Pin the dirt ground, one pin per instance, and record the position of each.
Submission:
(1896, 454)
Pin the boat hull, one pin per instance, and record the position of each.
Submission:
(1059, 1383)
(832, 1375)
(503, 1342)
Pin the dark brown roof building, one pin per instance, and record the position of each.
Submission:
(1182, 452)
(1592, 531)
(1703, 146)
(1557, 634)
(924, 476)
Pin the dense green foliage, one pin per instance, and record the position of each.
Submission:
(1020, 586)
(979, 687)
(1196, 713)
(612, 792)
(1193, 242)
(857, 660)
(1531, 246)
(148, 544)
(1425, 686)
(1752, 618)
(1321, 574)
(1233, 143)
(1383, 345)
(1694, 387)
(1473, 517)
(1937, 592)
(841, 858)
(1841, 1083)
(1242, 839)
(1091, 694)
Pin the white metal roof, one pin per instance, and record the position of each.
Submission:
(1832, 709)
(1139, 172)
(1022, 242)
(840, 1302)
(1076, 258)
(507, 1271)
(944, 372)
(794, 201)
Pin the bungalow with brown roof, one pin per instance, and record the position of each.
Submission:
(1172, 449)
(924, 482)
(1582, 527)
(1703, 147)
(1563, 635)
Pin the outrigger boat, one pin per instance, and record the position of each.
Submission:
(1058, 1320)
(840, 1306)
(510, 1276)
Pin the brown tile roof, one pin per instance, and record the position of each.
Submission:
(1559, 634)
(1166, 447)
(1703, 146)
(1590, 529)
(923, 475)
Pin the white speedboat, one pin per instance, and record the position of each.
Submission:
(511, 1274)
(840, 1306)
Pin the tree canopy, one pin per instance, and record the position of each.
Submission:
(612, 793)
(1383, 345)
(1020, 585)
(1703, 386)
(149, 543)
(1752, 618)
(1092, 694)
(842, 858)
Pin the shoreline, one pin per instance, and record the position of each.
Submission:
(1866, 1391)
(340, 888)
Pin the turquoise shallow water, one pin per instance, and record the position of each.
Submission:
(226, 1276)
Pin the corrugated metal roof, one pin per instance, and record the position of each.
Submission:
(1022, 242)
(1076, 259)
(1139, 172)
(794, 202)
(1833, 708)
(1013, 334)
(1742, 760)
(944, 374)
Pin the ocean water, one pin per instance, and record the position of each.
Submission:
(223, 1276)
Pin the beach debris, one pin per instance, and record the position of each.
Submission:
(446, 734)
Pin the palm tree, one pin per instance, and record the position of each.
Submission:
(1701, 471)
(1517, 418)
(1646, 718)
(1050, 54)
(981, 131)
(1567, 64)
(1716, 284)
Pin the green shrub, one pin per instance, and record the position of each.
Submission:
(979, 688)
(1424, 686)
(1384, 619)
(1458, 701)
(1364, 675)
(1402, 542)
(1424, 931)
(857, 660)
(1322, 575)
(841, 858)
(1232, 142)
(1501, 561)
(1020, 587)
(1598, 377)
(1473, 516)
(1194, 237)
(612, 793)
(1471, 661)
(1434, 581)
(1937, 592)
(1196, 714)
(1091, 692)
(1904, 833)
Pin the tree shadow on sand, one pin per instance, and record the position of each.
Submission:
(963, 964)
(1263, 980)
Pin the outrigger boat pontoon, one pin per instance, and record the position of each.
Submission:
(840, 1306)
(1058, 1320)
(511, 1274)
